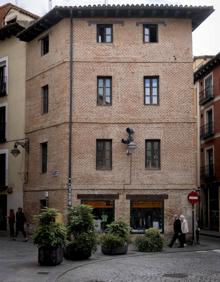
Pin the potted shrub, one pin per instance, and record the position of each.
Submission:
(81, 233)
(152, 241)
(50, 238)
(115, 240)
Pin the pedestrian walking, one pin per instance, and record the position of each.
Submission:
(184, 229)
(176, 229)
(11, 223)
(20, 221)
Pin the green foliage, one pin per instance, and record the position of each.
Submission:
(111, 241)
(81, 229)
(80, 220)
(116, 235)
(119, 228)
(152, 241)
(48, 232)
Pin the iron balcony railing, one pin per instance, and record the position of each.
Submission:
(207, 172)
(3, 90)
(207, 130)
(206, 95)
(2, 132)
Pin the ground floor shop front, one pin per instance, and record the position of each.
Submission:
(140, 210)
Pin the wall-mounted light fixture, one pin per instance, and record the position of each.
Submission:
(130, 141)
(24, 144)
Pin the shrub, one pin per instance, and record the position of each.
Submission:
(81, 232)
(119, 228)
(49, 233)
(152, 241)
(112, 241)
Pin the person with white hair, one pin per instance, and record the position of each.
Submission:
(184, 229)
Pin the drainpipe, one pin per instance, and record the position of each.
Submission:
(69, 186)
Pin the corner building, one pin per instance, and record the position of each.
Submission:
(92, 72)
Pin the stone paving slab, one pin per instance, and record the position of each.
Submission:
(18, 263)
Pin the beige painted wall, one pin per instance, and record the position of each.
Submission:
(15, 52)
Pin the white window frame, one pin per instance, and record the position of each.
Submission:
(206, 159)
(205, 113)
(5, 151)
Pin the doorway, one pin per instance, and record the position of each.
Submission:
(3, 212)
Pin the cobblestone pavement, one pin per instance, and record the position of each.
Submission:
(18, 263)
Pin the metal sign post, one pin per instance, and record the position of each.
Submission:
(193, 198)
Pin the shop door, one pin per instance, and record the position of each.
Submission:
(3, 212)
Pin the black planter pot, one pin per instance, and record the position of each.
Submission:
(115, 250)
(50, 255)
(71, 253)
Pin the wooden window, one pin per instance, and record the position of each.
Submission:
(44, 157)
(151, 90)
(2, 124)
(104, 91)
(45, 45)
(104, 33)
(150, 33)
(152, 154)
(103, 154)
(45, 99)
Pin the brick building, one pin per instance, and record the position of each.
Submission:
(93, 72)
(207, 79)
(12, 107)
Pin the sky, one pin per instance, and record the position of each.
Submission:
(205, 39)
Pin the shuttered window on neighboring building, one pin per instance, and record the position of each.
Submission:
(2, 170)
(2, 124)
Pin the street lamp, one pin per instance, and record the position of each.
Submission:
(24, 144)
(130, 141)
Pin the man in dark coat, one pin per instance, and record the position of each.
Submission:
(177, 231)
(20, 221)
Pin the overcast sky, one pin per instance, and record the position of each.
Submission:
(206, 39)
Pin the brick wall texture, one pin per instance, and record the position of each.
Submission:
(127, 60)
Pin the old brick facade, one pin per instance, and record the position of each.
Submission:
(127, 60)
(207, 79)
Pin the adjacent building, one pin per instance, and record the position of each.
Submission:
(100, 74)
(13, 172)
(207, 79)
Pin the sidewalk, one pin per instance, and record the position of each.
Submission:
(210, 233)
(18, 259)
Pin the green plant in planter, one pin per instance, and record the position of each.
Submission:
(115, 240)
(152, 241)
(81, 232)
(50, 238)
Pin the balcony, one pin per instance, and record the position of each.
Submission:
(207, 130)
(207, 172)
(3, 87)
(206, 95)
(2, 132)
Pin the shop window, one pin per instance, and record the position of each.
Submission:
(103, 211)
(146, 214)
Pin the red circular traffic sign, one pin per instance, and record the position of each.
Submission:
(193, 197)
